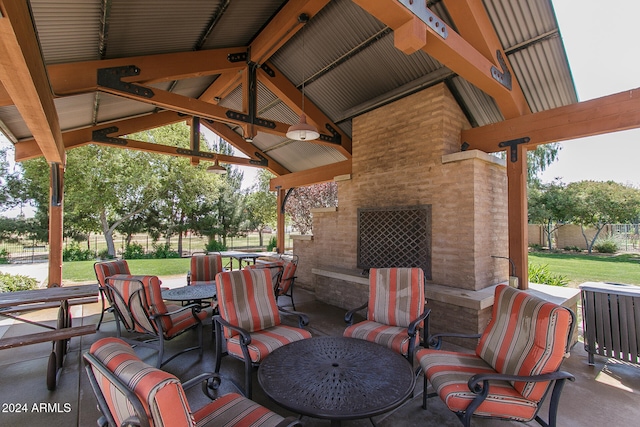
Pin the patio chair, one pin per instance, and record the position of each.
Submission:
(204, 269)
(130, 392)
(251, 320)
(103, 270)
(283, 274)
(396, 311)
(138, 304)
(515, 365)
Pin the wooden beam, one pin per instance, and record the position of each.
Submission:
(282, 27)
(56, 225)
(5, 99)
(191, 106)
(290, 95)
(280, 223)
(518, 216)
(474, 25)
(226, 133)
(29, 149)
(311, 176)
(620, 111)
(24, 76)
(453, 51)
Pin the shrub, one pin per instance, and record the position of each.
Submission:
(572, 248)
(215, 246)
(73, 252)
(273, 243)
(606, 246)
(134, 251)
(541, 274)
(104, 254)
(4, 256)
(11, 283)
(164, 251)
(535, 247)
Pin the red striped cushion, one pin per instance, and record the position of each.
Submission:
(449, 373)
(109, 268)
(246, 299)
(235, 410)
(266, 341)
(160, 393)
(396, 295)
(204, 268)
(287, 277)
(526, 336)
(393, 337)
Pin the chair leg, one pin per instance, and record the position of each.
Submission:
(248, 381)
(219, 338)
(102, 297)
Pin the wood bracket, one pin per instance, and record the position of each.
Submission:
(422, 12)
(112, 78)
(513, 146)
(262, 162)
(503, 77)
(334, 139)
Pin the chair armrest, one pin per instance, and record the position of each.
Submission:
(435, 341)
(289, 422)
(195, 308)
(303, 319)
(476, 387)
(413, 326)
(244, 334)
(348, 317)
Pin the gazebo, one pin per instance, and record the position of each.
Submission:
(409, 99)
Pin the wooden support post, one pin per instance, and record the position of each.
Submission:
(517, 205)
(280, 220)
(55, 224)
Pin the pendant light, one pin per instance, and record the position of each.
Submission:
(216, 168)
(303, 131)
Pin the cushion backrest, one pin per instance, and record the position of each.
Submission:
(526, 336)
(246, 299)
(205, 267)
(286, 279)
(141, 297)
(109, 268)
(396, 295)
(160, 393)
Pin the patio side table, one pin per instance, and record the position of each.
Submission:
(336, 378)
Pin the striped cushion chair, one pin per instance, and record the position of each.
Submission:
(251, 319)
(395, 311)
(138, 304)
(204, 269)
(104, 270)
(130, 392)
(516, 361)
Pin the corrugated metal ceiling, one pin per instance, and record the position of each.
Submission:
(349, 63)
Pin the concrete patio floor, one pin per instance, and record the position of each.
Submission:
(605, 394)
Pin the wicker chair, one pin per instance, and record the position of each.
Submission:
(515, 366)
(251, 320)
(396, 310)
(138, 305)
(130, 392)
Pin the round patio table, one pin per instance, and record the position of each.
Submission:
(336, 378)
(190, 293)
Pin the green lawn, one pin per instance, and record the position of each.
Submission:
(82, 271)
(579, 268)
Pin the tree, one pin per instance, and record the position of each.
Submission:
(11, 194)
(539, 159)
(549, 205)
(596, 204)
(261, 205)
(303, 199)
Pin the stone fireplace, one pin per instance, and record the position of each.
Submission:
(405, 154)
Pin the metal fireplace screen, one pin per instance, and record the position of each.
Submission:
(395, 237)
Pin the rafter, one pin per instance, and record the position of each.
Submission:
(290, 95)
(311, 176)
(24, 76)
(620, 111)
(453, 51)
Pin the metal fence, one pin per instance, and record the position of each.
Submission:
(30, 250)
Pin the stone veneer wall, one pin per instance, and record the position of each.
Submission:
(408, 153)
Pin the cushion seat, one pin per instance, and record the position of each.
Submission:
(265, 341)
(393, 337)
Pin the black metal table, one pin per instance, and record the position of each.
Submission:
(245, 257)
(190, 293)
(336, 378)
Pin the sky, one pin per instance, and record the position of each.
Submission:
(601, 41)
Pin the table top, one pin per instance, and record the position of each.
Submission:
(190, 293)
(336, 378)
(240, 255)
(8, 299)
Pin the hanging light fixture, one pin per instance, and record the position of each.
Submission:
(216, 168)
(303, 131)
